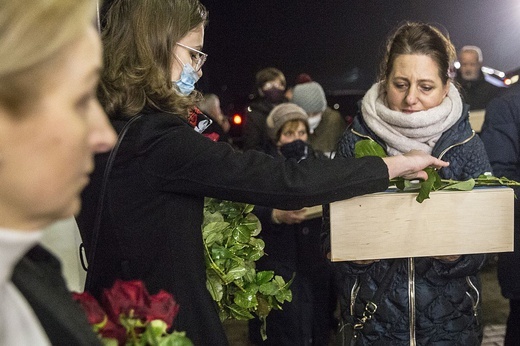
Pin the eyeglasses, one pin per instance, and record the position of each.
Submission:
(198, 57)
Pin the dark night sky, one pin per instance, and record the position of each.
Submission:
(339, 42)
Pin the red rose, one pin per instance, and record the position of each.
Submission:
(95, 314)
(162, 307)
(125, 296)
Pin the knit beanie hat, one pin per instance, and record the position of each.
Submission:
(281, 114)
(310, 96)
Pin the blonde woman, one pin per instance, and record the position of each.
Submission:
(51, 125)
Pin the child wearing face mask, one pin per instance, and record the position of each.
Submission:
(292, 246)
(270, 84)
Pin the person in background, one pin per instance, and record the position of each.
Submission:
(153, 197)
(210, 105)
(501, 137)
(292, 247)
(300, 79)
(476, 91)
(325, 124)
(430, 300)
(270, 87)
(51, 125)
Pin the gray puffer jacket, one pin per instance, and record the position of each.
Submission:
(429, 301)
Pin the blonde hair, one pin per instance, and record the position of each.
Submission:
(32, 35)
(138, 41)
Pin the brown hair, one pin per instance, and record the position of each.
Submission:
(291, 125)
(418, 39)
(138, 40)
(32, 36)
(268, 74)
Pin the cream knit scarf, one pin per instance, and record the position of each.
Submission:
(404, 132)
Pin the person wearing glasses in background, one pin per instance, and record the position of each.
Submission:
(152, 211)
(51, 125)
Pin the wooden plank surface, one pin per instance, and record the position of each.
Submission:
(394, 225)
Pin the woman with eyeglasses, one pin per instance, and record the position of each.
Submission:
(150, 206)
(51, 125)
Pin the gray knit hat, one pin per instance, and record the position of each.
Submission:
(310, 96)
(281, 114)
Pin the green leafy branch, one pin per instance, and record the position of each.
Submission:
(229, 231)
(368, 147)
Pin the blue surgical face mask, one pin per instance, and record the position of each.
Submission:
(186, 84)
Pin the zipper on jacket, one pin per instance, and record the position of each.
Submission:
(411, 299)
(362, 135)
(353, 296)
(456, 144)
(476, 301)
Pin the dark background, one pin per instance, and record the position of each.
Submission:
(339, 42)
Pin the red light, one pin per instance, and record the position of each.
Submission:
(237, 119)
(507, 81)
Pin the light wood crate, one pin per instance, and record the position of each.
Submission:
(393, 224)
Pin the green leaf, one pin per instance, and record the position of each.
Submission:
(239, 313)
(466, 185)
(368, 147)
(242, 234)
(236, 273)
(264, 277)
(214, 285)
(428, 185)
(246, 299)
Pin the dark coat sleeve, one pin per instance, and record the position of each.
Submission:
(189, 163)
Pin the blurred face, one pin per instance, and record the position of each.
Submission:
(469, 65)
(291, 132)
(276, 83)
(46, 153)
(414, 84)
(194, 39)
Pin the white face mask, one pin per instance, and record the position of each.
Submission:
(186, 84)
(314, 121)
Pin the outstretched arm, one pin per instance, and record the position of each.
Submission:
(411, 165)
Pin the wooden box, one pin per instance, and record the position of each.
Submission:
(393, 224)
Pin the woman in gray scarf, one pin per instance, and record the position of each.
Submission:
(429, 301)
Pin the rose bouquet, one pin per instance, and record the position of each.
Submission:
(129, 315)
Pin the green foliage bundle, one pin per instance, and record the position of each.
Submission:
(229, 231)
(368, 147)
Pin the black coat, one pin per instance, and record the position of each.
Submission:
(152, 216)
(479, 92)
(255, 129)
(296, 250)
(38, 277)
(501, 137)
(446, 302)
